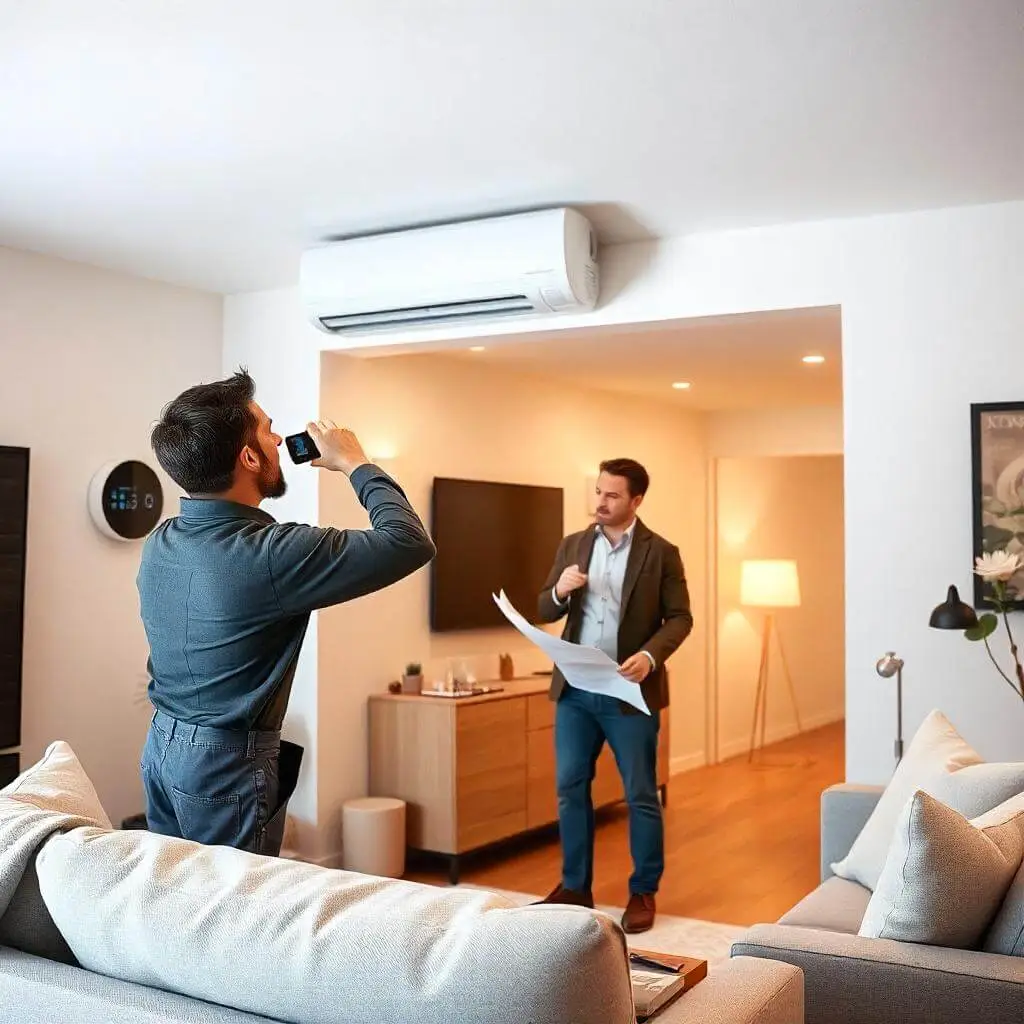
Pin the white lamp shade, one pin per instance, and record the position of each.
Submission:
(769, 583)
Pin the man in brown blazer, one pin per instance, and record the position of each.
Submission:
(623, 590)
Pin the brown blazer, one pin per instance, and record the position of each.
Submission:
(656, 613)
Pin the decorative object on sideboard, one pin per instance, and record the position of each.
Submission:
(998, 569)
(769, 583)
(412, 679)
(506, 669)
(887, 667)
(997, 476)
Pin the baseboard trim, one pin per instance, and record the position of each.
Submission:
(687, 762)
(741, 744)
(332, 860)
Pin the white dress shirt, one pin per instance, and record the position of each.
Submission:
(602, 596)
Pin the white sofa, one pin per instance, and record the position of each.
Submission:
(101, 924)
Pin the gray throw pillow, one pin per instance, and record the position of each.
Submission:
(1006, 933)
(945, 877)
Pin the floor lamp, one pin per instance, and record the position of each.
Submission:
(769, 584)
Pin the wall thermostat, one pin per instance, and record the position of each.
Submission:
(125, 500)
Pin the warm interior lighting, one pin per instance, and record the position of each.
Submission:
(769, 583)
(814, 360)
(478, 348)
(681, 385)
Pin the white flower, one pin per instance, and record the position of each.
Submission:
(997, 565)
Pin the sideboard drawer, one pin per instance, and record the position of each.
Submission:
(540, 712)
(490, 737)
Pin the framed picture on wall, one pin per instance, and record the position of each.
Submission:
(997, 465)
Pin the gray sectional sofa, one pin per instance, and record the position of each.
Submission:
(853, 980)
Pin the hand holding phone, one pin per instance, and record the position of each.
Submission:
(302, 447)
(327, 445)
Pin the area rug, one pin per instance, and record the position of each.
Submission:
(688, 936)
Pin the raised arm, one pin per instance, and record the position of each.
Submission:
(315, 567)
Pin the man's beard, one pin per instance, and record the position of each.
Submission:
(272, 483)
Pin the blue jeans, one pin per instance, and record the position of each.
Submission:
(583, 721)
(215, 787)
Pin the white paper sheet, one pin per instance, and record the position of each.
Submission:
(586, 668)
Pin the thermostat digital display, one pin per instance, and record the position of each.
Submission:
(126, 500)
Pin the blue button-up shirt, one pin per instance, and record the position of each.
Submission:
(602, 596)
(226, 593)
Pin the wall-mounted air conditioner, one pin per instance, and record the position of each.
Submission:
(538, 263)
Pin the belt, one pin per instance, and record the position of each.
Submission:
(204, 735)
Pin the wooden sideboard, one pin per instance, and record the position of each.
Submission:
(476, 770)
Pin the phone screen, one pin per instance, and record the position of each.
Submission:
(301, 447)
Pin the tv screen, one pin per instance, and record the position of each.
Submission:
(13, 528)
(490, 537)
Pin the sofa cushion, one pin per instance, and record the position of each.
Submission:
(941, 763)
(835, 906)
(37, 991)
(312, 945)
(50, 795)
(945, 876)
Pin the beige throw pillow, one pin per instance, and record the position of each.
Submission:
(297, 942)
(52, 794)
(939, 762)
(945, 876)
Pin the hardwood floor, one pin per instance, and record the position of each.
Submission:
(741, 840)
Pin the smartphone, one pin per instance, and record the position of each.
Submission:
(301, 447)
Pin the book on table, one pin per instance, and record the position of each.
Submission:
(660, 978)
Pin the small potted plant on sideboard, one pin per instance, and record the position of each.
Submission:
(412, 680)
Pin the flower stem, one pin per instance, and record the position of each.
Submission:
(1009, 681)
(1013, 651)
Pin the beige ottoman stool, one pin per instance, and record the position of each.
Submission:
(373, 836)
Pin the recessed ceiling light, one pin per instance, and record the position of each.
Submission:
(477, 348)
(681, 385)
(814, 359)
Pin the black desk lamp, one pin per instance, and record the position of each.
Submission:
(953, 613)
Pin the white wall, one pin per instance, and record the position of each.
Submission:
(258, 334)
(87, 360)
(446, 416)
(814, 430)
(932, 320)
(780, 507)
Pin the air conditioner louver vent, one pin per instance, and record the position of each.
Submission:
(502, 305)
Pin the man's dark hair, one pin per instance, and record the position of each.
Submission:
(203, 430)
(635, 474)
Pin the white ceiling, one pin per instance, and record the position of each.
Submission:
(206, 141)
(752, 361)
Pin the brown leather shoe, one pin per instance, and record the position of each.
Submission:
(569, 897)
(639, 915)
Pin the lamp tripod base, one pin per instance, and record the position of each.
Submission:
(761, 696)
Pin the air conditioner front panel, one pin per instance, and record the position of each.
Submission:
(450, 272)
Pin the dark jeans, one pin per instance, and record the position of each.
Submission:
(583, 721)
(215, 787)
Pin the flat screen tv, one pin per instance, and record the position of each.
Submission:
(490, 537)
(13, 531)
